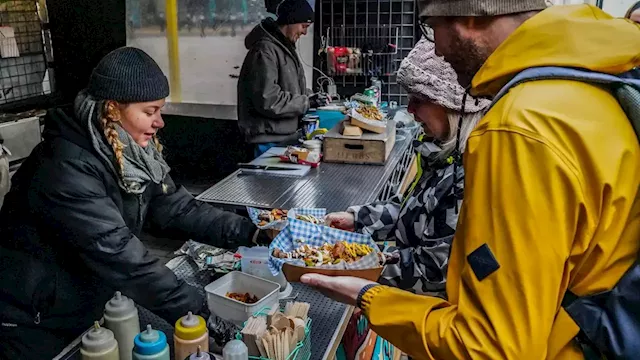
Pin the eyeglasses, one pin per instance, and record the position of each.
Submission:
(427, 31)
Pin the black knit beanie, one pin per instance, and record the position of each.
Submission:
(128, 75)
(295, 12)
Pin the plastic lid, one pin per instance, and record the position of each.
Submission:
(119, 306)
(190, 327)
(98, 339)
(200, 355)
(235, 350)
(150, 342)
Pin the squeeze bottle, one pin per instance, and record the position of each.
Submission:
(200, 355)
(99, 344)
(150, 345)
(235, 350)
(121, 317)
(190, 332)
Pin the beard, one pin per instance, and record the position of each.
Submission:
(466, 57)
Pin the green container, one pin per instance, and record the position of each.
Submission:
(302, 350)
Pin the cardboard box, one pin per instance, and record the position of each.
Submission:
(367, 149)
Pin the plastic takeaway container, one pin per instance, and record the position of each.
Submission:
(237, 282)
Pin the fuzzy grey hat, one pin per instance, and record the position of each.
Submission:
(430, 8)
(424, 73)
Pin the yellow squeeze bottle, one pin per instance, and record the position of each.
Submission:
(190, 333)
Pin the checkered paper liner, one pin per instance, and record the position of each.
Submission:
(317, 213)
(281, 224)
(301, 232)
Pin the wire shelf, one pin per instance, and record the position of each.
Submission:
(24, 63)
(369, 51)
(399, 16)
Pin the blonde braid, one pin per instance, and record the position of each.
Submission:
(110, 117)
(156, 142)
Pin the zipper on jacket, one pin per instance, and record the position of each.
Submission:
(139, 197)
(36, 320)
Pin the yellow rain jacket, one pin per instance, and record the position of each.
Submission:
(551, 189)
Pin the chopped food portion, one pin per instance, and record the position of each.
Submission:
(370, 112)
(245, 298)
(326, 254)
(267, 216)
(310, 218)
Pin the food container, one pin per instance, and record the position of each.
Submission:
(303, 233)
(237, 282)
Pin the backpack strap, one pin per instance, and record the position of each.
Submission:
(589, 349)
(562, 73)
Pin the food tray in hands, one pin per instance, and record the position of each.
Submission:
(254, 215)
(299, 233)
(278, 225)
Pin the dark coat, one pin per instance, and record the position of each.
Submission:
(272, 94)
(69, 236)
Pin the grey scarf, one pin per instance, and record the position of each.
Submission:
(141, 165)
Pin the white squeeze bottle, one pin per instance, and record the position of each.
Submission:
(235, 350)
(121, 317)
(99, 344)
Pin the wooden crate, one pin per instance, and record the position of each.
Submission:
(369, 148)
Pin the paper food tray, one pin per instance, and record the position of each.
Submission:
(300, 232)
(274, 225)
(281, 224)
(378, 126)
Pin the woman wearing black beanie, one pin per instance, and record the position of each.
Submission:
(70, 224)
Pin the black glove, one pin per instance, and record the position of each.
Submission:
(318, 100)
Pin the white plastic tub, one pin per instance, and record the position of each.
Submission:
(238, 282)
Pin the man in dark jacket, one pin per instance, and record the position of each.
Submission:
(69, 227)
(272, 93)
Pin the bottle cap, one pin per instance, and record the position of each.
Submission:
(119, 306)
(190, 327)
(98, 339)
(199, 355)
(150, 342)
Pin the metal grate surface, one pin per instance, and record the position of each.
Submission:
(250, 190)
(400, 14)
(332, 186)
(343, 185)
(25, 51)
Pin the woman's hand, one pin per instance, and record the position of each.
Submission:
(341, 220)
(340, 288)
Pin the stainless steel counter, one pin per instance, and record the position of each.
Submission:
(331, 186)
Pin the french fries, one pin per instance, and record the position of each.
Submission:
(370, 112)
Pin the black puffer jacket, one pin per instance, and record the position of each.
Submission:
(68, 236)
(272, 94)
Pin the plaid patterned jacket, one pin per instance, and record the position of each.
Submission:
(422, 224)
